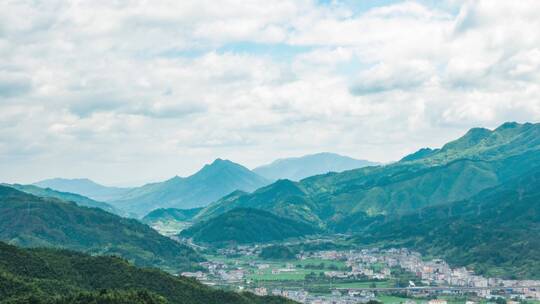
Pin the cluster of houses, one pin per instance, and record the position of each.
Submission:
(433, 277)
(431, 273)
(303, 296)
(217, 270)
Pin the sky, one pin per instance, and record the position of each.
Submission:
(131, 91)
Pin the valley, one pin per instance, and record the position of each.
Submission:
(355, 275)
(453, 225)
(270, 152)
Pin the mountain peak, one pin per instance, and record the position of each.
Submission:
(508, 125)
(220, 161)
(220, 164)
(471, 138)
(422, 153)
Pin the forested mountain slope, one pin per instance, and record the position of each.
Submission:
(495, 232)
(210, 183)
(32, 221)
(479, 160)
(244, 225)
(65, 196)
(42, 275)
(168, 214)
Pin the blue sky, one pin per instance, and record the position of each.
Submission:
(140, 91)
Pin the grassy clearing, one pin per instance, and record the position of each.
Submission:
(327, 263)
(267, 275)
(386, 299)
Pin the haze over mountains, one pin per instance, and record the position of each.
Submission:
(66, 196)
(83, 186)
(198, 190)
(209, 184)
(297, 168)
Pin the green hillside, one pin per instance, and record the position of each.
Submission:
(209, 184)
(65, 196)
(168, 214)
(479, 160)
(61, 276)
(495, 232)
(242, 226)
(509, 139)
(283, 198)
(32, 221)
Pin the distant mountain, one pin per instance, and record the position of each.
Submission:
(297, 168)
(45, 276)
(168, 214)
(66, 196)
(495, 232)
(32, 221)
(198, 190)
(83, 186)
(479, 160)
(243, 226)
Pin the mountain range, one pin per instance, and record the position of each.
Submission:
(31, 221)
(209, 184)
(85, 187)
(463, 201)
(198, 190)
(370, 201)
(65, 196)
(297, 168)
(462, 168)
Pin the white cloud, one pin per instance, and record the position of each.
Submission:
(111, 90)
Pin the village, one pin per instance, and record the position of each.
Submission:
(358, 276)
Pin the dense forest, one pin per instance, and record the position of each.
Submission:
(493, 233)
(170, 214)
(32, 221)
(63, 276)
(245, 225)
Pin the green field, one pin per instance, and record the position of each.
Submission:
(296, 275)
(388, 299)
(381, 284)
(170, 228)
(327, 263)
(396, 300)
